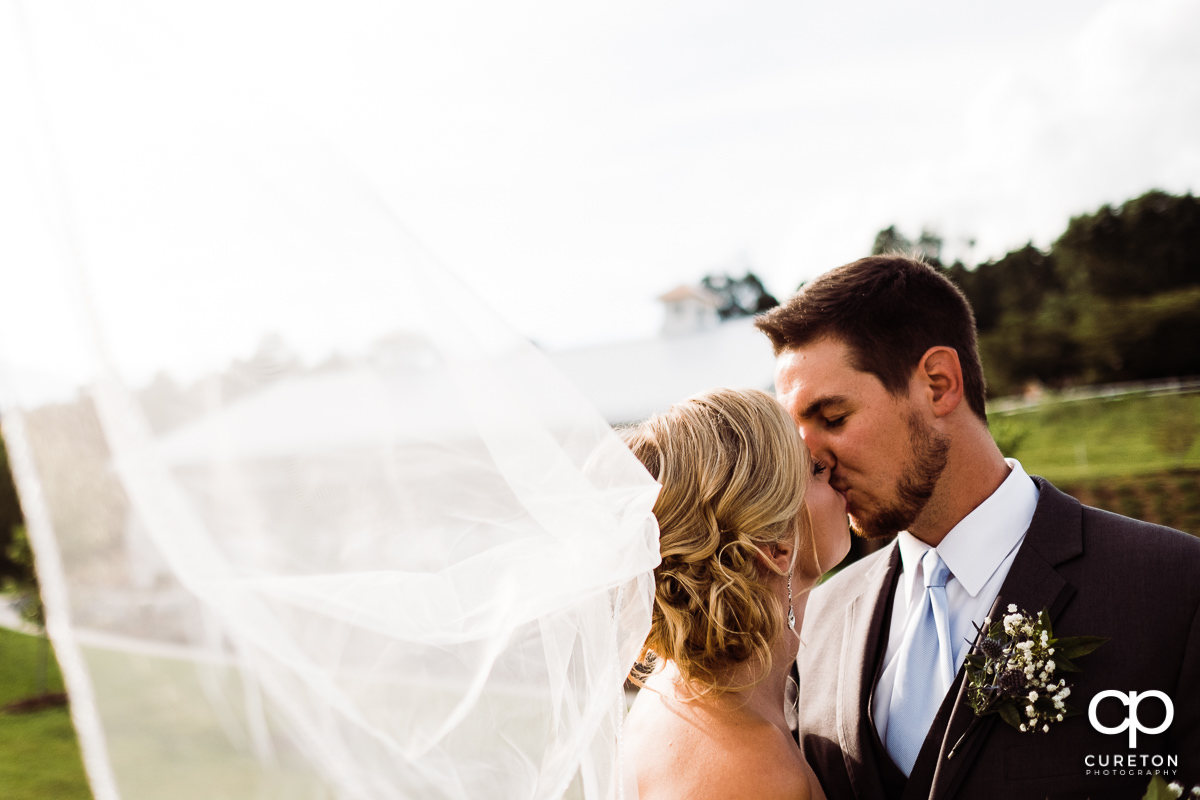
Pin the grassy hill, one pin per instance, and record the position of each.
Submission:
(39, 757)
(1135, 454)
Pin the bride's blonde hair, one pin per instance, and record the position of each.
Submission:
(734, 473)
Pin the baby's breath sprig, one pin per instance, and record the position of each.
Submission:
(1014, 670)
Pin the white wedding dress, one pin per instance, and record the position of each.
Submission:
(310, 521)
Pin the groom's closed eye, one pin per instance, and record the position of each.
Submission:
(825, 409)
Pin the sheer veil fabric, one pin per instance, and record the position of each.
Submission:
(310, 521)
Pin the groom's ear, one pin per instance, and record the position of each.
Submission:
(940, 376)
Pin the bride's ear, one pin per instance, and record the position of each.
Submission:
(778, 555)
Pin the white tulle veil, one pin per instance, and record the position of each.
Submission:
(310, 521)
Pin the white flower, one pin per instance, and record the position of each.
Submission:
(1012, 608)
(1023, 728)
(1046, 728)
(1049, 666)
(1031, 711)
(1060, 717)
(1033, 696)
(1176, 788)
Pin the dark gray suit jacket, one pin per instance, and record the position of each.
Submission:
(1099, 574)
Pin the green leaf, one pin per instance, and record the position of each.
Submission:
(1077, 646)
(1158, 790)
(1064, 664)
(1010, 715)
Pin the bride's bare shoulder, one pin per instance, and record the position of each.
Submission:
(683, 751)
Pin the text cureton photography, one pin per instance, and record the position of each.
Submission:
(1124, 764)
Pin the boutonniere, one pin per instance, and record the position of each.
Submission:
(1014, 670)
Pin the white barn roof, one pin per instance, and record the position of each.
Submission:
(626, 382)
(632, 380)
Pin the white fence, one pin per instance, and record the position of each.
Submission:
(1036, 398)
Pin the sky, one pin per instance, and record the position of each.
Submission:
(635, 151)
(569, 162)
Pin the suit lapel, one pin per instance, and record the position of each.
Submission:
(1055, 536)
(866, 616)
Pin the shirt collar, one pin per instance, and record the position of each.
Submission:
(976, 547)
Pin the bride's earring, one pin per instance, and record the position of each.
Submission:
(791, 610)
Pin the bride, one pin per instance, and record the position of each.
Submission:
(748, 523)
(392, 553)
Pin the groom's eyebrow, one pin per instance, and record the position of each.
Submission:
(820, 404)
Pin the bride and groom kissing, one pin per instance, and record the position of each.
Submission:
(878, 369)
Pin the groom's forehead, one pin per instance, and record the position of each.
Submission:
(822, 362)
(814, 376)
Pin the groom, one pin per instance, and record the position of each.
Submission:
(877, 363)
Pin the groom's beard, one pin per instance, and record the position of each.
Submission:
(930, 450)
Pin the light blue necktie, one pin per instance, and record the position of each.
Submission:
(925, 671)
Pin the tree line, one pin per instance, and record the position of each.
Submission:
(1115, 298)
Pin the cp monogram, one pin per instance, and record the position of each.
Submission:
(1131, 722)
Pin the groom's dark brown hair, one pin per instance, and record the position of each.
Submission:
(889, 310)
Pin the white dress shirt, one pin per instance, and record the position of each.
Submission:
(979, 551)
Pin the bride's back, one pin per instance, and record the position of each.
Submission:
(699, 750)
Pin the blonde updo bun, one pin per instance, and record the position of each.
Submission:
(734, 473)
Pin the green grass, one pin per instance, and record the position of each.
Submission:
(1169, 498)
(146, 695)
(1118, 437)
(39, 756)
(142, 698)
(1135, 455)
